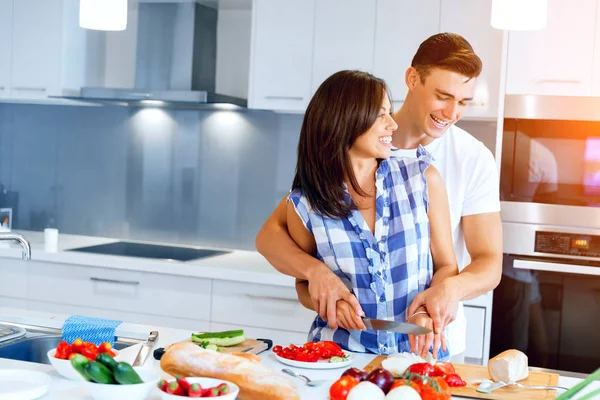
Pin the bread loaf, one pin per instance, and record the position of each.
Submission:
(255, 380)
(509, 366)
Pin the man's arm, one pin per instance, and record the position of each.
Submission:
(275, 243)
(483, 237)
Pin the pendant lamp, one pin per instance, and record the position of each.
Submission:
(103, 15)
(519, 15)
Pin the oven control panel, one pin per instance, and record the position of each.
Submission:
(567, 243)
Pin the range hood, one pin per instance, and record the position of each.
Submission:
(175, 60)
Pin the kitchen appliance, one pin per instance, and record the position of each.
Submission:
(548, 302)
(395, 326)
(175, 59)
(10, 332)
(146, 250)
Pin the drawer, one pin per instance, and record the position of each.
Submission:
(129, 317)
(14, 277)
(262, 306)
(113, 289)
(475, 331)
(279, 337)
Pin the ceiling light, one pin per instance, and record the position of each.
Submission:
(103, 15)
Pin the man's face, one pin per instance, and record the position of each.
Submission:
(439, 101)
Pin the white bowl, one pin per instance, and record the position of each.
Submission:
(234, 390)
(139, 391)
(64, 367)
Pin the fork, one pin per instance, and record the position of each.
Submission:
(309, 382)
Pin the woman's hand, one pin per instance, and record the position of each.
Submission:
(420, 344)
(347, 317)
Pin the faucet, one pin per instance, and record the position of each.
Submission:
(22, 241)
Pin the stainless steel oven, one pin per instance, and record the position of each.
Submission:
(548, 302)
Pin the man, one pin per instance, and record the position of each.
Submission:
(441, 81)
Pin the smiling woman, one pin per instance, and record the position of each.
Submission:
(358, 210)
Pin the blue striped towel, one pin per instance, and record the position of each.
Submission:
(95, 330)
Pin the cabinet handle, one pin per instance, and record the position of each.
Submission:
(257, 297)
(133, 283)
(33, 89)
(557, 81)
(284, 98)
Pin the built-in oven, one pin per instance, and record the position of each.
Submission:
(548, 302)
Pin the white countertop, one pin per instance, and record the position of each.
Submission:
(62, 389)
(239, 265)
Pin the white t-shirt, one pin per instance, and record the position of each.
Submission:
(469, 171)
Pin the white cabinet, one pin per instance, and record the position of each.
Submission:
(13, 285)
(559, 59)
(49, 49)
(474, 25)
(476, 322)
(6, 22)
(36, 48)
(119, 290)
(400, 28)
(344, 37)
(261, 306)
(281, 54)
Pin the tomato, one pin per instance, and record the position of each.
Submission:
(432, 388)
(443, 369)
(76, 346)
(406, 382)
(454, 380)
(63, 351)
(340, 388)
(424, 369)
(104, 347)
(89, 350)
(277, 349)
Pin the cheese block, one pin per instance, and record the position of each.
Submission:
(509, 366)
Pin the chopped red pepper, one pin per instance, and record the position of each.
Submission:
(424, 369)
(454, 380)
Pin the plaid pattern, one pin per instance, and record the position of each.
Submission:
(384, 270)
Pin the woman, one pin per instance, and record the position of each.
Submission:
(381, 224)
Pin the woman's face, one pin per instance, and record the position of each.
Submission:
(377, 141)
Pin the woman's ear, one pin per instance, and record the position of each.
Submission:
(410, 77)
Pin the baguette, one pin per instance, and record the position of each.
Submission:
(255, 380)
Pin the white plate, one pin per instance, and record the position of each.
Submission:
(21, 384)
(321, 364)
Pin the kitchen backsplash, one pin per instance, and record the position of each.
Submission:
(197, 177)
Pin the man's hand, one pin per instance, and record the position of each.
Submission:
(347, 317)
(441, 302)
(325, 289)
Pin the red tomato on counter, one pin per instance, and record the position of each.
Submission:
(340, 388)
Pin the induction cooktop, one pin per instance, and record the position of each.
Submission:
(145, 250)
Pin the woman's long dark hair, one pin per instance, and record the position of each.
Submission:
(344, 107)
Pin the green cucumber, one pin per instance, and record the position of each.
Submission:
(223, 339)
(126, 375)
(98, 373)
(79, 362)
(106, 359)
(336, 359)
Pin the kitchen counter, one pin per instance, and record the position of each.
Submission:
(63, 389)
(239, 265)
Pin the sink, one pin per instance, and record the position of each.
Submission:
(38, 341)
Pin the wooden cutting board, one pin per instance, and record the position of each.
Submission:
(476, 372)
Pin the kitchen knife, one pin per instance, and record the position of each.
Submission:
(395, 326)
(145, 349)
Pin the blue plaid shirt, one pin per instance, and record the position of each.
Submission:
(384, 270)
